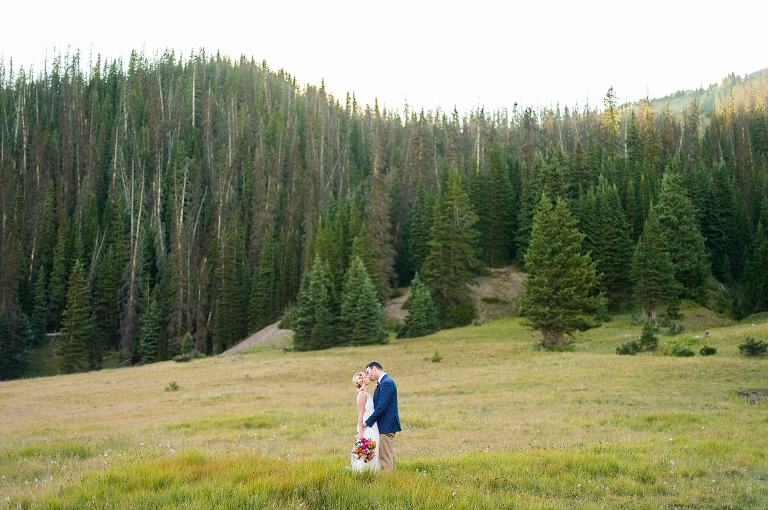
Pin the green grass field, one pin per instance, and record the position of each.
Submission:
(495, 424)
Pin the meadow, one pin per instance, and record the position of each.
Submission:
(496, 423)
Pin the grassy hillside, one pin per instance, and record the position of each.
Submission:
(496, 423)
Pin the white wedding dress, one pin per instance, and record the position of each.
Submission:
(370, 433)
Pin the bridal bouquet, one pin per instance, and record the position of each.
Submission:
(364, 449)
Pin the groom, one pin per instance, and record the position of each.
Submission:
(385, 413)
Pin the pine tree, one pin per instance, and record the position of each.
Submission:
(452, 259)
(421, 225)
(315, 319)
(90, 233)
(361, 321)
(362, 247)
(150, 332)
(76, 326)
(560, 288)
(613, 247)
(635, 148)
(679, 230)
(48, 232)
(262, 309)
(755, 276)
(40, 311)
(107, 300)
(422, 313)
(230, 308)
(653, 274)
(187, 344)
(15, 336)
(497, 242)
(60, 271)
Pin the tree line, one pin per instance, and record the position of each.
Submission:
(141, 201)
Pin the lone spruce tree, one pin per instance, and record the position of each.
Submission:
(76, 326)
(361, 319)
(560, 288)
(422, 317)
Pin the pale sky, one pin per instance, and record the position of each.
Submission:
(430, 54)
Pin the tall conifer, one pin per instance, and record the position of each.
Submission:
(653, 274)
(76, 326)
(560, 288)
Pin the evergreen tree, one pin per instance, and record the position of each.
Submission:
(452, 259)
(635, 148)
(612, 247)
(150, 332)
(361, 321)
(653, 274)
(314, 323)
(15, 338)
(421, 225)
(755, 276)
(362, 247)
(48, 232)
(497, 241)
(679, 230)
(76, 326)
(187, 344)
(560, 288)
(422, 313)
(60, 271)
(40, 311)
(90, 233)
(107, 300)
(230, 309)
(262, 309)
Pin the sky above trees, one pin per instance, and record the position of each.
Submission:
(430, 54)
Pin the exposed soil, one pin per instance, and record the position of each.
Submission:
(502, 289)
(268, 335)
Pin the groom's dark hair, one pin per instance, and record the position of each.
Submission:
(374, 364)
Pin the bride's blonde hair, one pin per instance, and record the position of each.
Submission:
(357, 380)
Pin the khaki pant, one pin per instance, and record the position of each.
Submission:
(387, 451)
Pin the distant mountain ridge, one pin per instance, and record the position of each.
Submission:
(682, 98)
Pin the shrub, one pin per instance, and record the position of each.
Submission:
(682, 351)
(494, 300)
(752, 347)
(195, 354)
(707, 351)
(648, 341)
(629, 348)
(675, 329)
(172, 386)
(436, 358)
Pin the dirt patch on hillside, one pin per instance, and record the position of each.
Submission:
(497, 294)
(394, 307)
(269, 335)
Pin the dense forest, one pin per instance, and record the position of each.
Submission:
(143, 201)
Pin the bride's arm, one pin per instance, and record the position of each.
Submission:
(361, 398)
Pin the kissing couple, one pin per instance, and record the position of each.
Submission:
(377, 419)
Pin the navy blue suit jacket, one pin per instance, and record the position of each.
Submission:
(385, 407)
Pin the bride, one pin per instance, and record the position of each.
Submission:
(361, 381)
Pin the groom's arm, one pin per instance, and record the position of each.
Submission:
(386, 392)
